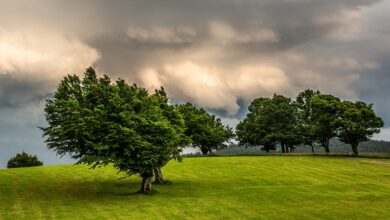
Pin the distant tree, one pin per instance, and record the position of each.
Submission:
(270, 121)
(251, 131)
(99, 122)
(326, 112)
(24, 160)
(305, 113)
(357, 123)
(205, 130)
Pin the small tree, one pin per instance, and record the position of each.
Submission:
(326, 113)
(357, 123)
(24, 160)
(205, 131)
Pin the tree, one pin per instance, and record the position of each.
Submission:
(305, 113)
(325, 112)
(357, 123)
(24, 160)
(270, 121)
(205, 130)
(99, 122)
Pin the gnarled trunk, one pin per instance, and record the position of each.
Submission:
(326, 145)
(159, 179)
(312, 148)
(327, 148)
(355, 150)
(204, 150)
(146, 185)
(283, 149)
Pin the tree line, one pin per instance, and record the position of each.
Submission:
(311, 118)
(99, 122)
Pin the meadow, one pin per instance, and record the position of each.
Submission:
(240, 187)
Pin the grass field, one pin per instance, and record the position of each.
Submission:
(247, 187)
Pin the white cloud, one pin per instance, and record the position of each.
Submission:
(215, 88)
(251, 81)
(43, 55)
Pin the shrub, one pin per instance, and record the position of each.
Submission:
(24, 160)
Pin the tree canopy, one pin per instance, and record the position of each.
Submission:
(305, 114)
(205, 130)
(357, 123)
(270, 121)
(326, 112)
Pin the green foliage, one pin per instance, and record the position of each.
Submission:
(100, 122)
(24, 160)
(305, 114)
(270, 121)
(357, 123)
(205, 130)
(326, 113)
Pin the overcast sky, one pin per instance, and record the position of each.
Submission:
(219, 54)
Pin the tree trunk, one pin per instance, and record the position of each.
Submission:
(312, 148)
(159, 179)
(204, 150)
(326, 145)
(355, 150)
(146, 185)
(327, 148)
(283, 149)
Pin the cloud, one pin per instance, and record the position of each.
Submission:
(212, 88)
(383, 135)
(44, 56)
(164, 35)
(225, 33)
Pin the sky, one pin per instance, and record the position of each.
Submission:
(218, 54)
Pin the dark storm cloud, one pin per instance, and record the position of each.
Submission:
(218, 54)
(16, 93)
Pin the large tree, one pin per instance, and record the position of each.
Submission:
(357, 123)
(326, 112)
(206, 131)
(305, 113)
(100, 122)
(270, 121)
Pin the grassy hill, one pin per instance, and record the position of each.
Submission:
(272, 187)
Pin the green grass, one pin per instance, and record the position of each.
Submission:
(272, 187)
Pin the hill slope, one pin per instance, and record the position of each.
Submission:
(271, 187)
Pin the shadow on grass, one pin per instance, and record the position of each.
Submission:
(102, 190)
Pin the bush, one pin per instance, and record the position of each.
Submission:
(24, 160)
